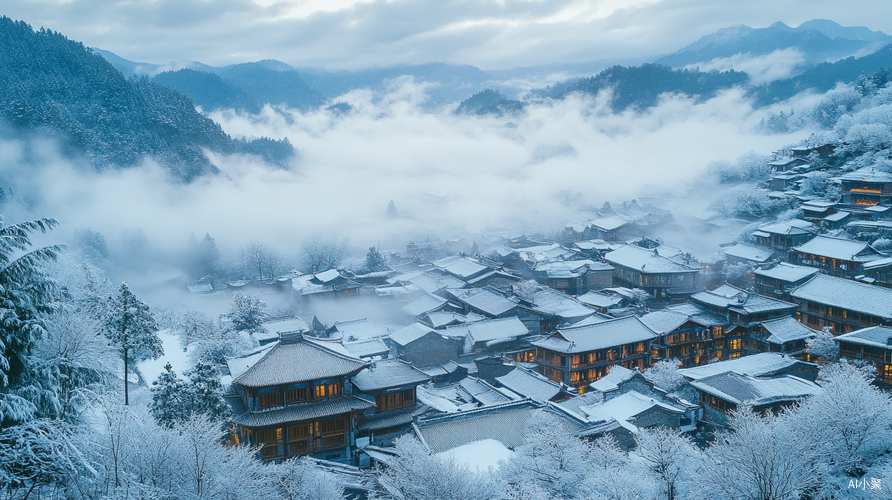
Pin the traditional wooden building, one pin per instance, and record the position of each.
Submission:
(783, 236)
(664, 279)
(686, 333)
(574, 277)
(780, 279)
(867, 186)
(843, 305)
(721, 394)
(762, 365)
(391, 384)
(880, 271)
(424, 346)
(580, 355)
(784, 335)
(871, 345)
(295, 398)
(836, 256)
(327, 284)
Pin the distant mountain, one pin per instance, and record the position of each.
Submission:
(274, 86)
(818, 41)
(488, 102)
(641, 86)
(52, 85)
(209, 90)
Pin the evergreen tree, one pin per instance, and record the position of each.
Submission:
(130, 326)
(206, 393)
(374, 261)
(391, 210)
(247, 312)
(169, 398)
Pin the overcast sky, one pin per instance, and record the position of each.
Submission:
(490, 34)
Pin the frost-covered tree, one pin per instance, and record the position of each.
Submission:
(35, 455)
(670, 456)
(526, 290)
(194, 326)
(745, 200)
(823, 346)
(665, 374)
(131, 327)
(374, 261)
(175, 401)
(321, 253)
(248, 312)
(733, 272)
(169, 398)
(416, 474)
(302, 479)
(206, 393)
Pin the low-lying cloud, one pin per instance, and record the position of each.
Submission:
(776, 65)
(447, 174)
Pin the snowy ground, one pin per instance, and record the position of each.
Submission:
(173, 354)
(479, 455)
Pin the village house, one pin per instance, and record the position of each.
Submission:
(578, 356)
(358, 329)
(392, 385)
(867, 186)
(762, 365)
(613, 227)
(779, 280)
(494, 335)
(871, 345)
(686, 333)
(328, 284)
(743, 310)
(783, 236)
(603, 302)
(295, 398)
(815, 210)
(880, 271)
(574, 277)
(836, 256)
(841, 304)
(530, 384)
(423, 346)
(424, 305)
(786, 163)
(662, 278)
(460, 267)
(742, 253)
(784, 335)
(428, 281)
(722, 393)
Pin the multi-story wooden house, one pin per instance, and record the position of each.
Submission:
(578, 356)
(784, 335)
(867, 186)
(836, 256)
(663, 278)
(295, 398)
(872, 345)
(391, 384)
(843, 305)
(779, 280)
(686, 333)
(722, 393)
(783, 236)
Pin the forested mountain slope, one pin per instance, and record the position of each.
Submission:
(50, 84)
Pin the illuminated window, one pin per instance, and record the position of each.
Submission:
(328, 390)
(736, 344)
(269, 399)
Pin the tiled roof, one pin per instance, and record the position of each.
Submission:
(791, 227)
(505, 423)
(611, 381)
(307, 411)
(489, 330)
(366, 347)
(462, 267)
(441, 319)
(361, 329)
(611, 222)
(423, 305)
(642, 259)
(484, 300)
(385, 420)
(611, 333)
(876, 336)
(737, 388)
(787, 272)
(598, 299)
(625, 408)
(836, 248)
(409, 334)
(847, 294)
(297, 361)
(748, 252)
(758, 365)
(388, 374)
(787, 330)
(740, 300)
(664, 321)
(529, 384)
(571, 268)
(698, 315)
(868, 174)
(486, 394)
(560, 304)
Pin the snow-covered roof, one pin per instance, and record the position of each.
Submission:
(611, 223)
(409, 334)
(479, 456)
(388, 374)
(875, 336)
(488, 301)
(200, 288)
(610, 333)
(292, 324)
(486, 394)
(546, 253)
(878, 264)
(596, 244)
(837, 248)
(787, 330)
(599, 299)
(847, 294)
(326, 276)
(838, 216)
(757, 365)
(790, 227)
(293, 413)
(789, 273)
(366, 348)
(461, 267)
(530, 384)
(297, 360)
(240, 364)
(625, 408)
(423, 305)
(552, 302)
(361, 329)
(489, 330)
(441, 319)
(429, 282)
(737, 388)
(698, 315)
(740, 300)
(614, 377)
(664, 321)
(571, 268)
(645, 260)
(749, 252)
(868, 174)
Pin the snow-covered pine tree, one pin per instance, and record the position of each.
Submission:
(130, 326)
(206, 393)
(170, 398)
(374, 261)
